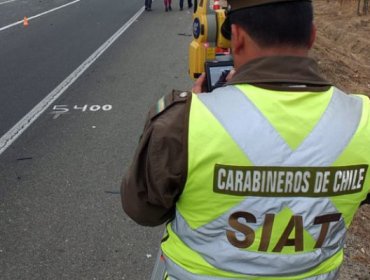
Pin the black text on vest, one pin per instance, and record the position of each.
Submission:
(295, 224)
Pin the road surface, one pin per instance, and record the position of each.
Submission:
(60, 209)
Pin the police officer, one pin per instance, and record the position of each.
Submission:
(259, 179)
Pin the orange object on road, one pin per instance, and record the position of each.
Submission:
(25, 21)
(216, 5)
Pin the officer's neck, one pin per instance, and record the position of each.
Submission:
(252, 54)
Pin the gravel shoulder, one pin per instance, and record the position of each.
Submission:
(342, 50)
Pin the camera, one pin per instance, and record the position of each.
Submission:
(209, 50)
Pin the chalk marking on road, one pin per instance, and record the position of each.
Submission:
(39, 15)
(5, 2)
(63, 109)
(8, 138)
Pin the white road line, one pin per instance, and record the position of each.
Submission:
(7, 2)
(8, 138)
(39, 15)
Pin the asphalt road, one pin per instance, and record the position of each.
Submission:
(37, 58)
(60, 209)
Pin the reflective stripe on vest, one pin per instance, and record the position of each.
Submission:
(232, 109)
(178, 273)
(214, 239)
(322, 146)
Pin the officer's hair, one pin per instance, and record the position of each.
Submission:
(284, 24)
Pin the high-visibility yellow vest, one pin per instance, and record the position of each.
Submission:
(274, 180)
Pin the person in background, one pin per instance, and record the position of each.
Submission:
(148, 5)
(167, 5)
(190, 4)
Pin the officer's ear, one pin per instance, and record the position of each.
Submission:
(313, 36)
(238, 37)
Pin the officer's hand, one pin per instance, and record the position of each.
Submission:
(200, 84)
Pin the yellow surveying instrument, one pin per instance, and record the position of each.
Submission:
(208, 44)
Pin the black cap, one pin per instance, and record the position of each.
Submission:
(241, 4)
(234, 5)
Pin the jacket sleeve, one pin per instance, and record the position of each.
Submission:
(157, 174)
